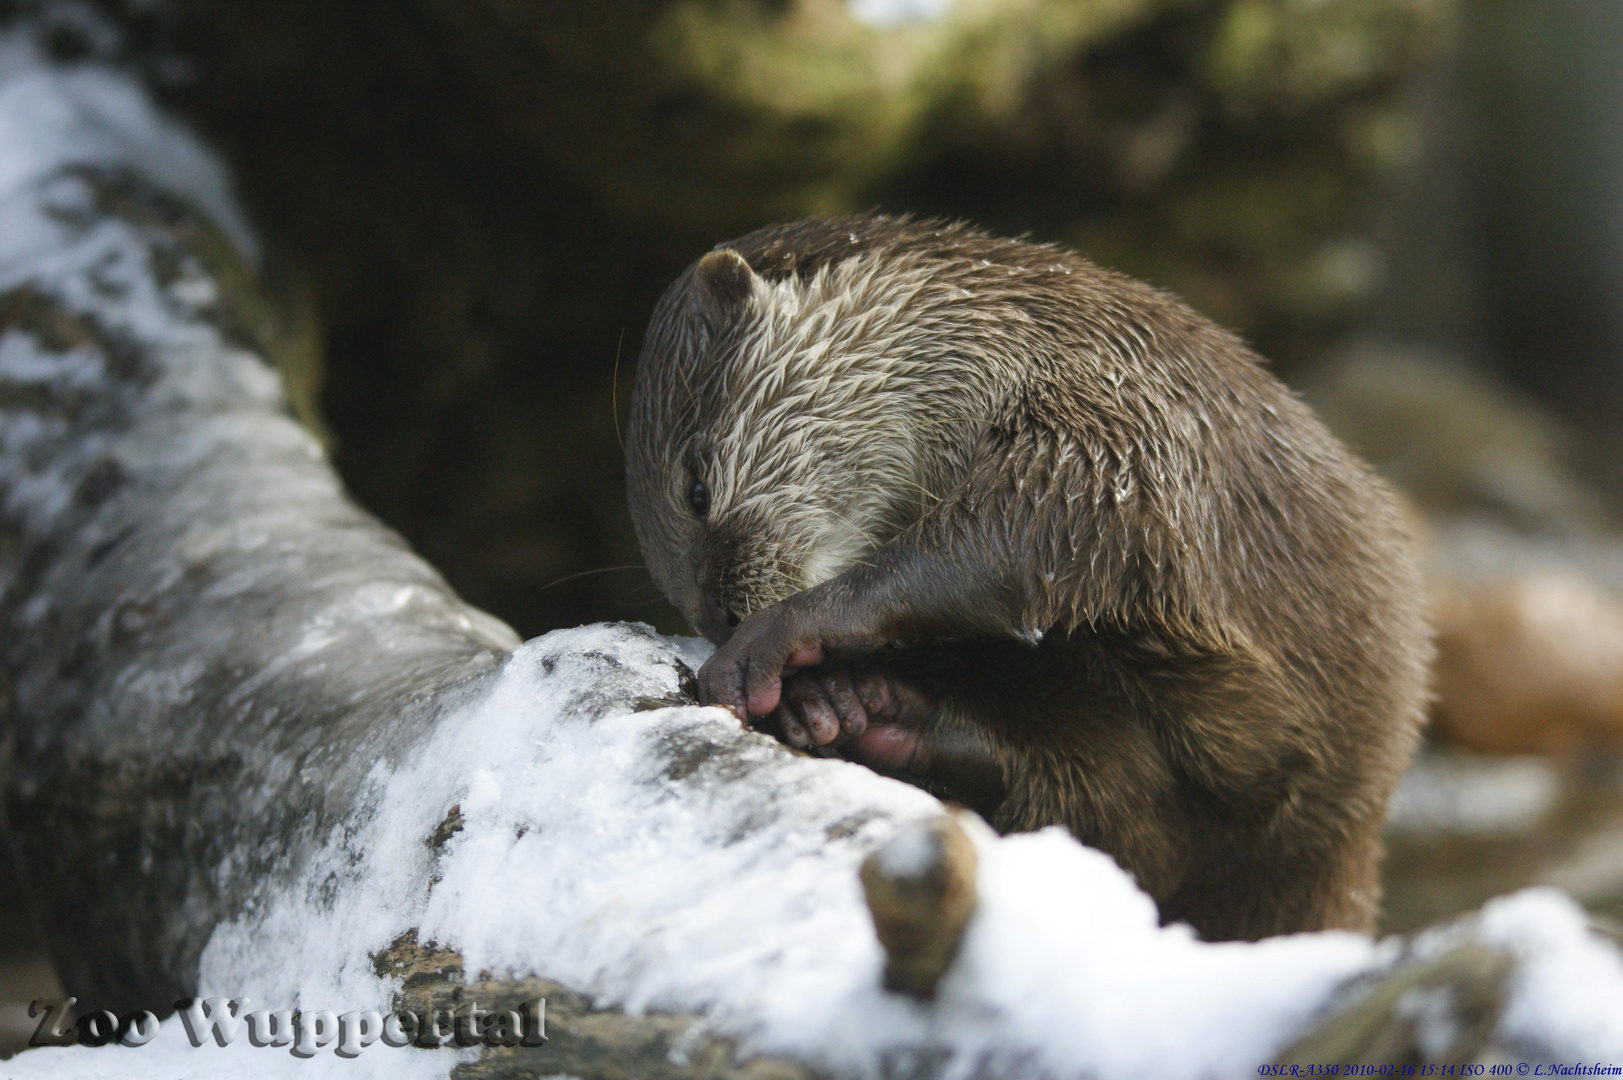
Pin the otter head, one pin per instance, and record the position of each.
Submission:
(775, 425)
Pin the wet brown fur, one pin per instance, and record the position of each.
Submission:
(1152, 599)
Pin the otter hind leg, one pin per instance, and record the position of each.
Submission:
(820, 708)
(893, 725)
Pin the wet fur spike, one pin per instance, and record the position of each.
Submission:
(1143, 592)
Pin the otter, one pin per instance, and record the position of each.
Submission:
(982, 515)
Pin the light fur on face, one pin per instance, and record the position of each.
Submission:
(816, 419)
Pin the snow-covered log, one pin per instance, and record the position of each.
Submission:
(210, 656)
(256, 749)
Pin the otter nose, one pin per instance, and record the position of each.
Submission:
(715, 622)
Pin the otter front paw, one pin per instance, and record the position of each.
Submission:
(746, 673)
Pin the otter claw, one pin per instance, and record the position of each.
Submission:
(803, 658)
(791, 732)
(821, 722)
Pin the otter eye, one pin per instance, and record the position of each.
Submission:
(699, 498)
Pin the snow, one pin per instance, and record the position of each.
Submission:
(909, 855)
(664, 859)
(737, 894)
(1566, 992)
(671, 860)
(89, 115)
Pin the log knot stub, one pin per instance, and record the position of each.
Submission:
(920, 888)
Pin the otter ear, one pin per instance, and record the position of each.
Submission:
(722, 281)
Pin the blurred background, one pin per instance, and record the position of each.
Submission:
(1413, 208)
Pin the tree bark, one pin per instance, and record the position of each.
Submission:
(176, 736)
(206, 645)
